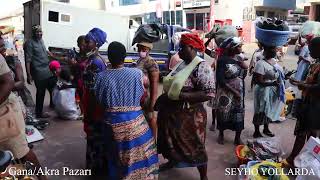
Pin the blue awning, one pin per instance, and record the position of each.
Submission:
(283, 4)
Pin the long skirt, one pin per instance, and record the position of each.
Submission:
(132, 149)
(266, 105)
(230, 111)
(182, 133)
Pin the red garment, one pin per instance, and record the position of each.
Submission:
(192, 40)
(92, 111)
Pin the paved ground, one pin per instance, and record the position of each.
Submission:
(64, 144)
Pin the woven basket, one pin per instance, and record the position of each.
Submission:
(272, 37)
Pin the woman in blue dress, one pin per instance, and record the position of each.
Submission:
(131, 146)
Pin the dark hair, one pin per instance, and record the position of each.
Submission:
(81, 39)
(314, 47)
(269, 51)
(65, 74)
(116, 53)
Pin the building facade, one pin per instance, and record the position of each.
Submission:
(264, 8)
(314, 12)
(192, 14)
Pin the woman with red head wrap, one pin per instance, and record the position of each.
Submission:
(182, 118)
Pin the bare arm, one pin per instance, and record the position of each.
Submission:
(6, 86)
(260, 81)
(19, 80)
(154, 82)
(243, 65)
(195, 97)
(28, 60)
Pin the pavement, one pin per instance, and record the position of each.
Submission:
(65, 144)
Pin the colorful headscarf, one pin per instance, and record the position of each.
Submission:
(192, 40)
(229, 43)
(98, 36)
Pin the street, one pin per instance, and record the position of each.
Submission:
(64, 144)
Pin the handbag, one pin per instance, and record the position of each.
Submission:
(8, 121)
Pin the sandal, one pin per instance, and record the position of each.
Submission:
(268, 133)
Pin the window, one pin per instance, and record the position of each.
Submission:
(271, 14)
(173, 18)
(53, 16)
(259, 13)
(166, 17)
(190, 21)
(151, 18)
(128, 2)
(65, 18)
(179, 18)
(199, 21)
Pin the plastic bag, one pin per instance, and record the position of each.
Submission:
(147, 33)
(310, 27)
(65, 103)
(266, 148)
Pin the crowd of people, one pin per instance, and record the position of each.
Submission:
(127, 125)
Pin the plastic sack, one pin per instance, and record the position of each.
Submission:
(147, 33)
(309, 158)
(310, 27)
(65, 103)
(266, 148)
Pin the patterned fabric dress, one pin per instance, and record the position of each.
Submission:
(96, 159)
(230, 110)
(182, 125)
(131, 147)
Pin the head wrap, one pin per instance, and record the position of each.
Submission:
(192, 40)
(146, 44)
(36, 28)
(54, 65)
(231, 42)
(309, 37)
(98, 36)
(177, 36)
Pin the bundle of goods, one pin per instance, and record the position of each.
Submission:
(310, 27)
(272, 32)
(221, 34)
(147, 33)
(259, 149)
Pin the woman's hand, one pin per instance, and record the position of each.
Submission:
(293, 81)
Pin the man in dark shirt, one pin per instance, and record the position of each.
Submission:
(37, 67)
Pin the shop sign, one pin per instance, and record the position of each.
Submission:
(195, 3)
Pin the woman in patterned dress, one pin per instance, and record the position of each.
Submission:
(131, 145)
(230, 93)
(182, 117)
(92, 112)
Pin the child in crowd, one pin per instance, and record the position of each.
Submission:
(64, 96)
